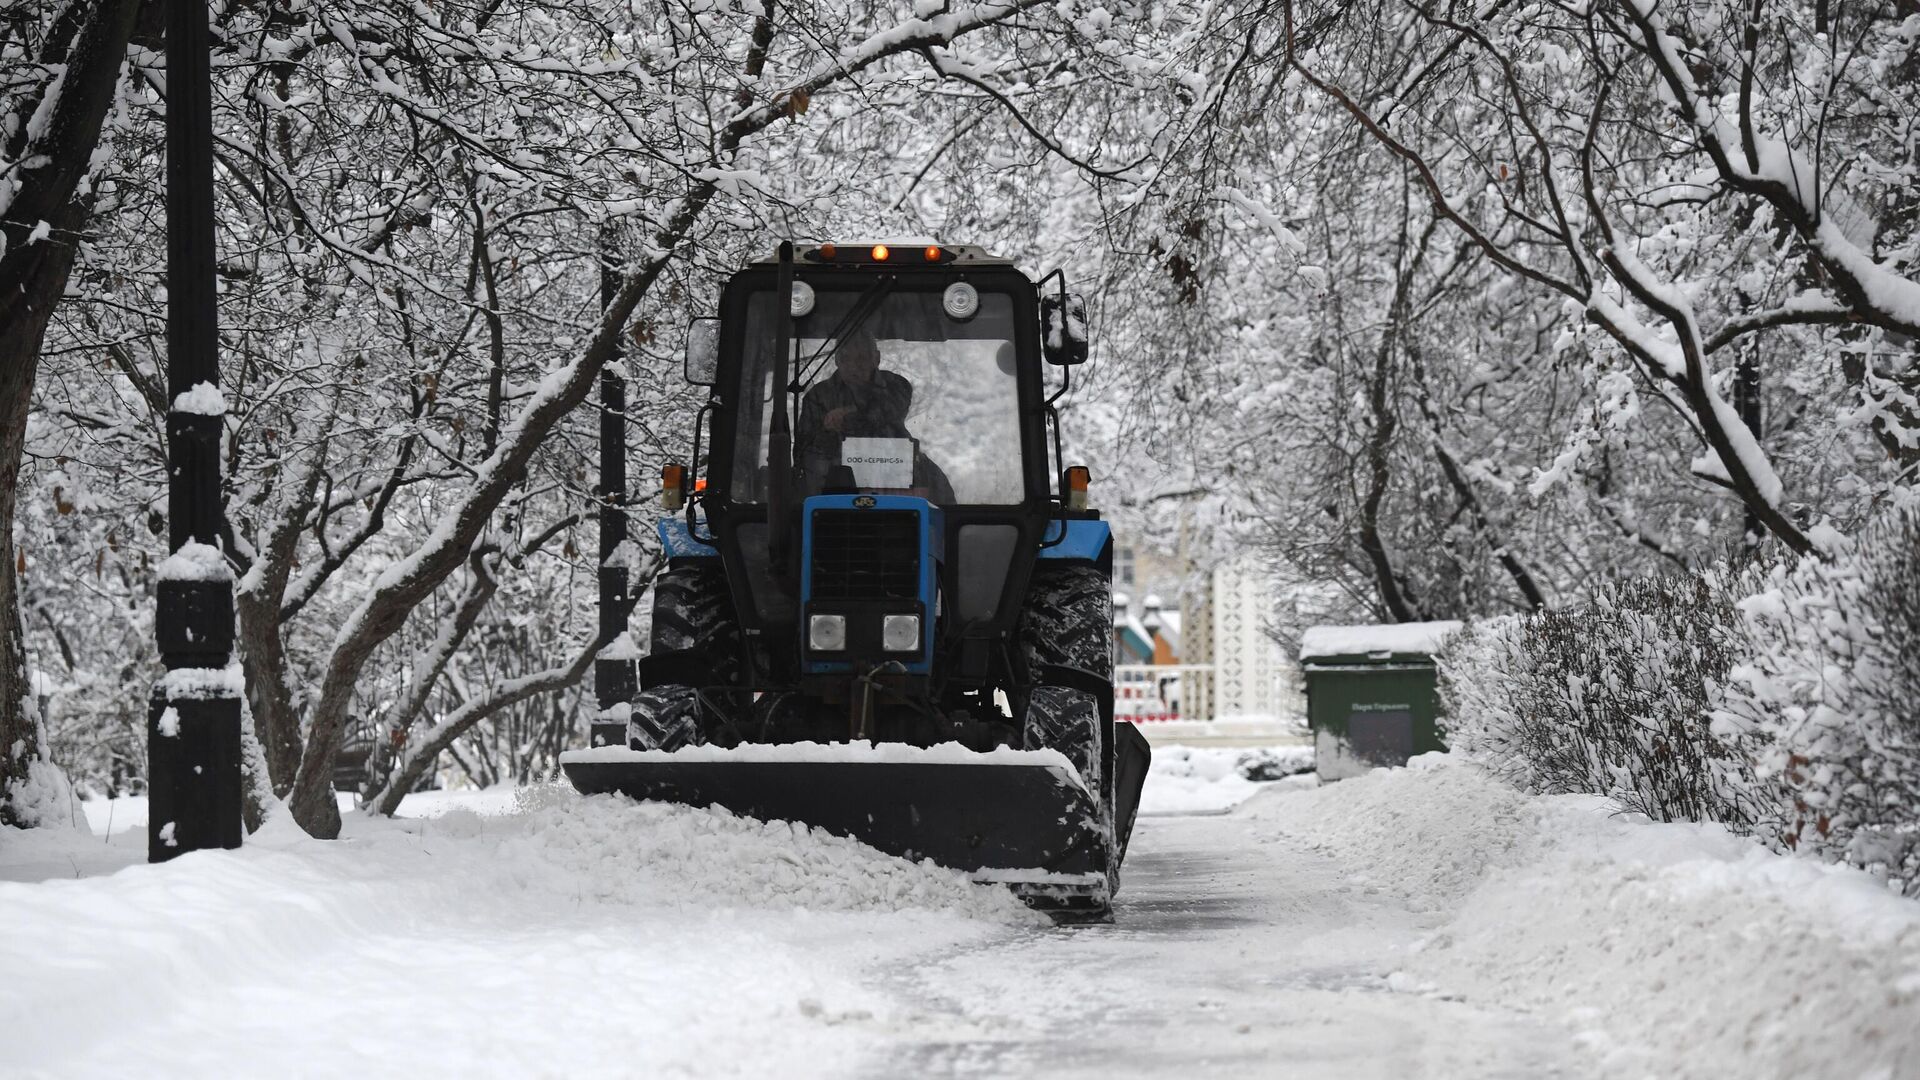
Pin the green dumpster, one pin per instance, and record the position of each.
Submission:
(1370, 694)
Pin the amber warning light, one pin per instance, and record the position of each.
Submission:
(1078, 478)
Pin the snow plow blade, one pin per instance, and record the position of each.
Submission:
(1032, 826)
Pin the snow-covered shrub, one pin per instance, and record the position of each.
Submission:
(1829, 702)
(1478, 671)
(1611, 696)
(1479, 717)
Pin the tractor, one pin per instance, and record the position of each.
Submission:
(887, 608)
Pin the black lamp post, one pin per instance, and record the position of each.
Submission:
(613, 679)
(193, 725)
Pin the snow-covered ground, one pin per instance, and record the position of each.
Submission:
(1419, 922)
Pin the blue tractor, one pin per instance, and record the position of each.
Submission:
(887, 610)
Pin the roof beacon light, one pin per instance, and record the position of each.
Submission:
(881, 253)
(802, 299)
(961, 300)
(828, 251)
(1077, 480)
(934, 254)
(673, 487)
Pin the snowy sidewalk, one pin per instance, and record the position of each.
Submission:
(1425, 922)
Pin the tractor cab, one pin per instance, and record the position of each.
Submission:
(894, 523)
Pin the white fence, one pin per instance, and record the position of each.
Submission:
(1147, 692)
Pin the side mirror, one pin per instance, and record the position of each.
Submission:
(703, 351)
(1063, 328)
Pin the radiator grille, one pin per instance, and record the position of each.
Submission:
(866, 555)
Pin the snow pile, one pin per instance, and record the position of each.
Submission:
(181, 684)
(1213, 780)
(43, 797)
(612, 849)
(465, 944)
(621, 647)
(203, 399)
(1676, 950)
(195, 562)
(1484, 930)
(1429, 833)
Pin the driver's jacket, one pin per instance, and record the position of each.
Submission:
(879, 412)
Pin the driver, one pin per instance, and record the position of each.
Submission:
(858, 400)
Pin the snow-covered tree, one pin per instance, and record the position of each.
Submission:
(59, 69)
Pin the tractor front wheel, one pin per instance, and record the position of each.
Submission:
(664, 718)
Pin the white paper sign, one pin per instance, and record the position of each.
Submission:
(879, 463)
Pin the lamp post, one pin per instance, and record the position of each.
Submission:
(613, 677)
(193, 725)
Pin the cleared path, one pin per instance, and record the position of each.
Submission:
(1234, 953)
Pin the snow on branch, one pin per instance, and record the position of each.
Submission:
(1770, 168)
(1289, 243)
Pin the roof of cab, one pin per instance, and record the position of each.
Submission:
(963, 254)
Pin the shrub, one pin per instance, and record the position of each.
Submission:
(1783, 701)
(1612, 696)
(1828, 702)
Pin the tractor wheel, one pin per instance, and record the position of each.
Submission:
(664, 718)
(1067, 721)
(1069, 622)
(692, 614)
(1069, 619)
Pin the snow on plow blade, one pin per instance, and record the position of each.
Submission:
(1012, 816)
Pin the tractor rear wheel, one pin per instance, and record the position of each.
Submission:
(1068, 623)
(693, 613)
(1069, 619)
(693, 619)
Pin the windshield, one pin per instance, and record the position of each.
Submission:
(906, 399)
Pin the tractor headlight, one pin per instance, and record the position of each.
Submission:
(802, 299)
(827, 633)
(961, 300)
(900, 633)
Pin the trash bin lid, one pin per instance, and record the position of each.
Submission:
(1376, 644)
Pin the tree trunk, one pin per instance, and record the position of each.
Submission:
(90, 40)
(19, 731)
